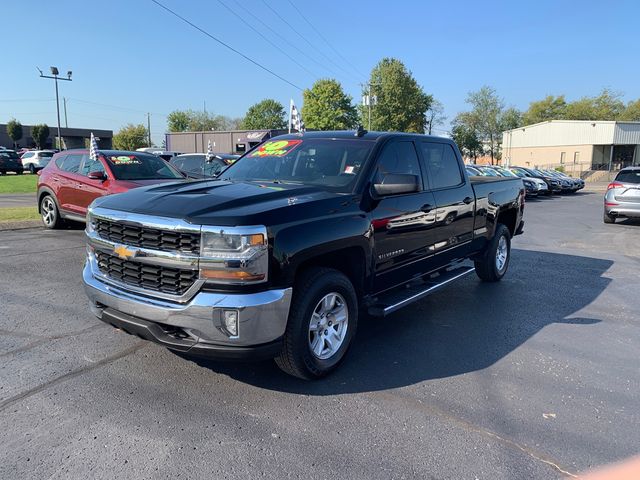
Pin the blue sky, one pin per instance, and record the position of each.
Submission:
(129, 57)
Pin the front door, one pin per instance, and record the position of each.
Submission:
(455, 201)
(403, 224)
(88, 188)
(68, 179)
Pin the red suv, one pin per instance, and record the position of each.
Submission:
(72, 180)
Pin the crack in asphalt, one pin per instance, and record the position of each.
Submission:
(75, 373)
(467, 425)
(42, 339)
(40, 252)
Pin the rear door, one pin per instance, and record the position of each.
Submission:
(68, 178)
(454, 197)
(402, 224)
(88, 188)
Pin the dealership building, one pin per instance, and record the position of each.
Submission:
(576, 145)
(71, 137)
(236, 141)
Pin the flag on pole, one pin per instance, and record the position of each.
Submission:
(93, 148)
(295, 119)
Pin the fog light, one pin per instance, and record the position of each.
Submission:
(230, 319)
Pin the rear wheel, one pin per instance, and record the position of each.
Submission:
(608, 218)
(32, 169)
(49, 212)
(495, 262)
(322, 322)
(18, 172)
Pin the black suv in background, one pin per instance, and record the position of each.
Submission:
(10, 162)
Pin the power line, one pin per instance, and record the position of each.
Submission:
(347, 62)
(305, 39)
(28, 100)
(226, 45)
(274, 45)
(285, 40)
(115, 107)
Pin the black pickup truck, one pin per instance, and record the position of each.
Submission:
(278, 256)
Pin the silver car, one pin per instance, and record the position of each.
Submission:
(623, 195)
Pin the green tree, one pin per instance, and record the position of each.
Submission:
(265, 115)
(631, 112)
(485, 118)
(401, 104)
(549, 108)
(40, 134)
(510, 118)
(606, 106)
(130, 137)
(327, 107)
(178, 121)
(14, 130)
(435, 115)
(466, 138)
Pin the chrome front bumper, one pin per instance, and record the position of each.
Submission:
(262, 315)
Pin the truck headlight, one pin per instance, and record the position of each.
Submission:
(234, 255)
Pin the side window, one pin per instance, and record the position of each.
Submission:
(442, 164)
(60, 161)
(90, 165)
(177, 163)
(71, 163)
(192, 164)
(399, 157)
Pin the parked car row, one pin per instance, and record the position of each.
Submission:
(536, 181)
(30, 160)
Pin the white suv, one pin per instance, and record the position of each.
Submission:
(35, 160)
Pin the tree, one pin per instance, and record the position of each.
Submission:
(549, 108)
(14, 130)
(401, 104)
(178, 121)
(606, 106)
(485, 118)
(327, 107)
(510, 118)
(130, 137)
(265, 115)
(466, 139)
(631, 112)
(40, 134)
(435, 115)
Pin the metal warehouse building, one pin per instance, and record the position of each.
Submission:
(576, 145)
(237, 141)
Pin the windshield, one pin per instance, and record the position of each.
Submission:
(45, 154)
(140, 166)
(505, 172)
(332, 163)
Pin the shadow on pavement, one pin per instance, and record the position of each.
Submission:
(466, 327)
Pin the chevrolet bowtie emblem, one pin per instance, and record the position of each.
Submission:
(123, 252)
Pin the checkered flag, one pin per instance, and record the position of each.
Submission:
(209, 150)
(295, 121)
(93, 148)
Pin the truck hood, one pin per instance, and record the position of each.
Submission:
(217, 202)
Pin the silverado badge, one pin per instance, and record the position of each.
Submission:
(123, 252)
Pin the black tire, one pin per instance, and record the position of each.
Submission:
(32, 169)
(487, 268)
(608, 218)
(296, 357)
(49, 213)
(18, 172)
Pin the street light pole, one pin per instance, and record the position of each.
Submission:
(54, 73)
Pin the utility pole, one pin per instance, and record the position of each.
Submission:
(64, 102)
(369, 100)
(149, 128)
(55, 73)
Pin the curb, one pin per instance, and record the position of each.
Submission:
(4, 226)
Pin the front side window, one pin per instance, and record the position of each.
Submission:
(442, 164)
(327, 162)
(398, 157)
(90, 165)
(71, 163)
(140, 166)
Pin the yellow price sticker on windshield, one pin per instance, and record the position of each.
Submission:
(278, 148)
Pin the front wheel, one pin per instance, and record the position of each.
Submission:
(32, 169)
(493, 265)
(322, 322)
(49, 212)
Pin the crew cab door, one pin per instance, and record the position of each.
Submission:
(67, 179)
(454, 197)
(402, 224)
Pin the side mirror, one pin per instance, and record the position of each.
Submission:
(97, 175)
(395, 184)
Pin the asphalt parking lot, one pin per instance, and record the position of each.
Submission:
(534, 377)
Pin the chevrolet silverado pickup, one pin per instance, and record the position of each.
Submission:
(280, 255)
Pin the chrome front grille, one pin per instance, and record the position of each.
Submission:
(145, 237)
(173, 281)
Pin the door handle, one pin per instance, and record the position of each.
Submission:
(426, 208)
(79, 185)
(467, 200)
